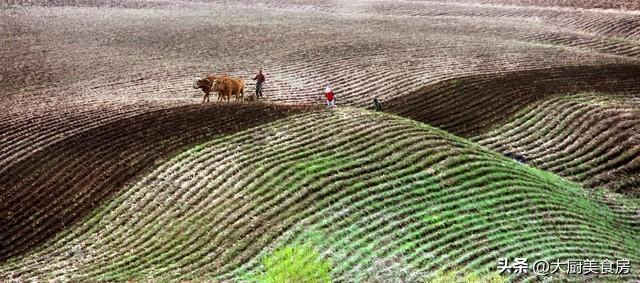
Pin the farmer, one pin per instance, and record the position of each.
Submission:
(259, 81)
(328, 94)
(377, 105)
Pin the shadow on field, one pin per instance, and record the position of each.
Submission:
(55, 186)
(471, 105)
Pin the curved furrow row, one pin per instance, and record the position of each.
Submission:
(586, 4)
(29, 134)
(482, 101)
(595, 141)
(604, 45)
(612, 23)
(53, 187)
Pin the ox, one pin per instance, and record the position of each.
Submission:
(207, 85)
(224, 85)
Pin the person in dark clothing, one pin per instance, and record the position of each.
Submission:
(377, 105)
(516, 156)
(259, 82)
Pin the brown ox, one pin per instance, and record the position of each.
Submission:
(207, 86)
(236, 86)
(227, 86)
(223, 88)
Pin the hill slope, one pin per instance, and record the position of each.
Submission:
(377, 194)
(471, 105)
(592, 138)
(56, 168)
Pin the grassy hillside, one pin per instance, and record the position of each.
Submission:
(592, 138)
(379, 196)
(53, 176)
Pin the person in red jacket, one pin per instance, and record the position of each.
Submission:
(328, 94)
(259, 78)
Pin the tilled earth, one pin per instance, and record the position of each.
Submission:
(95, 92)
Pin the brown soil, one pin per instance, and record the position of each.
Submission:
(470, 105)
(587, 4)
(61, 183)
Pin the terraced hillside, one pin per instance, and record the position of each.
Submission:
(47, 188)
(469, 105)
(592, 138)
(367, 190)
(529, 113)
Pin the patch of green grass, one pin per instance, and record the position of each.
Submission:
(300, 263)
(312, 166)
(196, 149)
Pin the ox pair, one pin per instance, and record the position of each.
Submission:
(224, 85)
